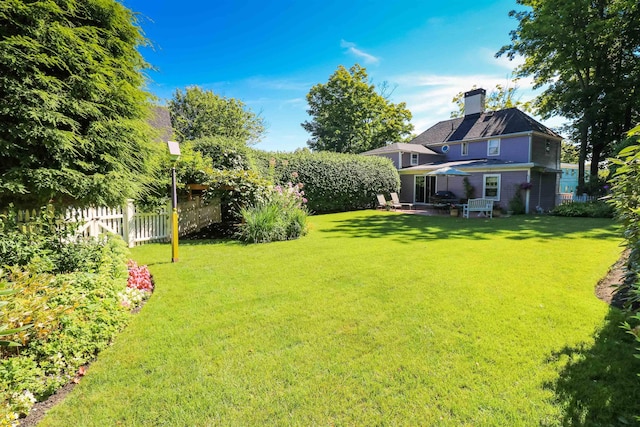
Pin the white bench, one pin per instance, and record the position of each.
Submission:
(478, 205)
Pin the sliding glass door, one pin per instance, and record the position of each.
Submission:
(420, 189)
(425, 187)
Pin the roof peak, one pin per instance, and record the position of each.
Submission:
(488, 124)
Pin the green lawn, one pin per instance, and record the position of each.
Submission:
(374, 318)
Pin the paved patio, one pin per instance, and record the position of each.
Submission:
(428, 210)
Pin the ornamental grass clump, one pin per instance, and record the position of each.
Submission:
(282, 217)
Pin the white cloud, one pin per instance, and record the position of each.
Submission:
(279, 84)
(429, 96)
(353, 50)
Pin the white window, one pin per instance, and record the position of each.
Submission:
(464, 149)
(491, 187)
(414, 159)
(493, 147)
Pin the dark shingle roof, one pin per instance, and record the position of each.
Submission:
(399, 146)
(485, 125)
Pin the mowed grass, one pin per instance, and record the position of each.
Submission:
(374, 318)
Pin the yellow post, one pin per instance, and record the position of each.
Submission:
(174, 217)
(174, 236)
(174, 152)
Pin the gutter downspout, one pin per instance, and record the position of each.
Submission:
(528, 194)
(526, 198)
(399, 159)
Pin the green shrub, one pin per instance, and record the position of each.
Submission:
(237, 189)
(225, 152)
(282, 217)
(332, 181)
(46, 244)
(516, 204)
(625, 200)
(594, 209)
(74, 316)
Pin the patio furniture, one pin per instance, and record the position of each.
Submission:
(483, 206)
(383, 204)
(444, 197)
(396, 201)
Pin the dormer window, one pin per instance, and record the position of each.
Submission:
(464, 149)
(414, 159)
(493, 147)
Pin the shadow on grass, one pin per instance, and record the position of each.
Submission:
(419, 227)
(599, 385)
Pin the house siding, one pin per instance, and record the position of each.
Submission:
(515, 149)
(406, 160)
(407, 188)
(541, 156)
(569, 178)
(391, 156)
(543, 191)
(509, 184)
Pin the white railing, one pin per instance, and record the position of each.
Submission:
(137, 227)
(570, 197)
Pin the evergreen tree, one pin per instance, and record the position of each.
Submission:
(72, 109)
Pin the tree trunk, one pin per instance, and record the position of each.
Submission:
(582, 155)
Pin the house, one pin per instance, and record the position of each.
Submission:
(569, 177)
(505, 152)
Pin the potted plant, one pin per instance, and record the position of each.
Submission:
(454, 210)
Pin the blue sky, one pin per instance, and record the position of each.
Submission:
(270, 53)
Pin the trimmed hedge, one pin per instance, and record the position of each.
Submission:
(333, 182)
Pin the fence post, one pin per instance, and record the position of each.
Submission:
(128, 230)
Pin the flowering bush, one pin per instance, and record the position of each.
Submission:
(132, 297)
(139, 277)
(290, 195)
(139, 286)
(282, 217)
(73, 316)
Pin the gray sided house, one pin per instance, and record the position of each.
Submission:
(501, 150)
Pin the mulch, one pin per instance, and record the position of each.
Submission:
(607, 288)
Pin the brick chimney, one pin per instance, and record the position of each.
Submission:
(474, 101)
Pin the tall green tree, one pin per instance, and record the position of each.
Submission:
(569, 152)
(198, 113)
(586, 53)
(349, 116)
(501, 97)
(72, 109)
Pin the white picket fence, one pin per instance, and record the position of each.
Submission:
(570, 197)
(137, 227)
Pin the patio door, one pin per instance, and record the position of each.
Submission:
(425, 187)
(420, 189)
